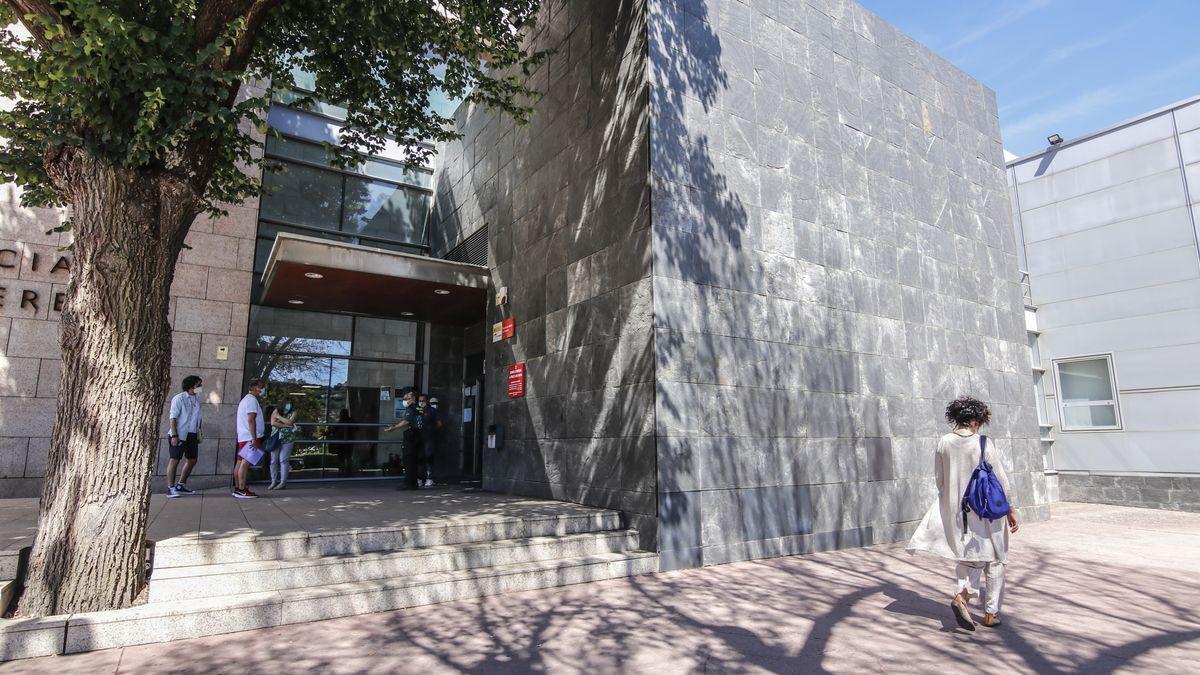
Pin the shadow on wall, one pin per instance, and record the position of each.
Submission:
(567, 208)
(741, 288)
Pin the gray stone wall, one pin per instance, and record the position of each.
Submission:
(566, 202)
(1173, 493)
(832, 264)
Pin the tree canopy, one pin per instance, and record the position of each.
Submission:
(153, 85)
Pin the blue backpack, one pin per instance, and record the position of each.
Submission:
(984, 496)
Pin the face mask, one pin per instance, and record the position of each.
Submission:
(262, 392)
(403, 404)
(287, 408)
(197, 390)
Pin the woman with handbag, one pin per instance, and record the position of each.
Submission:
(975, 538)
(283, 421)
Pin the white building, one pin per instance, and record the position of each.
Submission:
(1107, 232)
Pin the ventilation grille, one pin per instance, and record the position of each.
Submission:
(473, 249)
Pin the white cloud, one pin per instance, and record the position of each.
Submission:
(1001, 21)
(1043, 122)
(1067, 51)
(1143, 87)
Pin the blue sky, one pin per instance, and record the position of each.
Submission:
(1062, 66)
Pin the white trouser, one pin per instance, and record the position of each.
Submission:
(279, 463)
(968, 574)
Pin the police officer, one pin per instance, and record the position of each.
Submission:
(409, 421)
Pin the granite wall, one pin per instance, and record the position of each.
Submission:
(566, 202)
(832, 264)
(758, 363)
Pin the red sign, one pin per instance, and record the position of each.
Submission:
(507, 328)
(516, 380)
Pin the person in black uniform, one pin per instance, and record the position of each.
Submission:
(430, 424)
(408, 423)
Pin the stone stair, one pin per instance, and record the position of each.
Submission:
(222, 585)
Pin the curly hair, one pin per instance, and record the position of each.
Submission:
(966, 409)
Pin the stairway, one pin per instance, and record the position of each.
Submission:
(210, 586)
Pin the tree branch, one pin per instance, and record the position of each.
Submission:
(23, 8)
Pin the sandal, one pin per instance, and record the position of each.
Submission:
(961, 615)
(992, 621)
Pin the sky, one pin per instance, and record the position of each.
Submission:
(1064, 67)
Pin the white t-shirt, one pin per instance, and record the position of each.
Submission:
(249, 404)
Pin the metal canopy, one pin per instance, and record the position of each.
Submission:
(330, 276)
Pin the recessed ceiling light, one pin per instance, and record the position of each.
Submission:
(442, 291)
(314, 275)
(406, 313)
(295, 302)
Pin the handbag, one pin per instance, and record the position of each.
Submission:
(984, 494)
(272, 443)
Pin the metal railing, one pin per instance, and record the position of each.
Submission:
(324, 458)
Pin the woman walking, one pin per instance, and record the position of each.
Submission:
(283, 419)
(978, 546)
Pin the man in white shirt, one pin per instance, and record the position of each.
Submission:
(184, 435)
(250, 431)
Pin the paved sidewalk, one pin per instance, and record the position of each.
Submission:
(1097, 589)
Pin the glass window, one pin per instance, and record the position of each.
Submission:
(384, 210)
(1087, 397)
(302, 195)
(289, 330)
(1035, 354)
(313, 153)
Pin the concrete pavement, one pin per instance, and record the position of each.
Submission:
(1097, 589)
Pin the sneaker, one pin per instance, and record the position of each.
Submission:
(183, 489)
(247, 494)
(172, 493)
(271, 486)
(281, 486)
(241, 494)
(428, 482)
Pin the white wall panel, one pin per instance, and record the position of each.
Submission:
(1174, 366)
(1126, 239)
(1188, 117)
(1193, 179)
(1132, 136)
(1104, 173)
(1118, 451)
(1160, 410)
(1189, 146)
(1161, 267)
(1138, 302)
(1159, 330)
(1144, 196)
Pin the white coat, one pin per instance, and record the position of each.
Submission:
(941, 532)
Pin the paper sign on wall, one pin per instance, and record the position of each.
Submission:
(508, 327)
(497, 331)
(516, 380)
(501, 295)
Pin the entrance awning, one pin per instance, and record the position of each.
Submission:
(331, 276)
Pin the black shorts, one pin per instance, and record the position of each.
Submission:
(187, 447)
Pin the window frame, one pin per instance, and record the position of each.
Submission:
(1114, 389)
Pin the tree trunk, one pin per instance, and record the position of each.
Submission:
(128, 226)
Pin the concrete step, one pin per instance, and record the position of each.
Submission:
(190, 551)
(231, 579)
(8, 589)
(164, 621)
